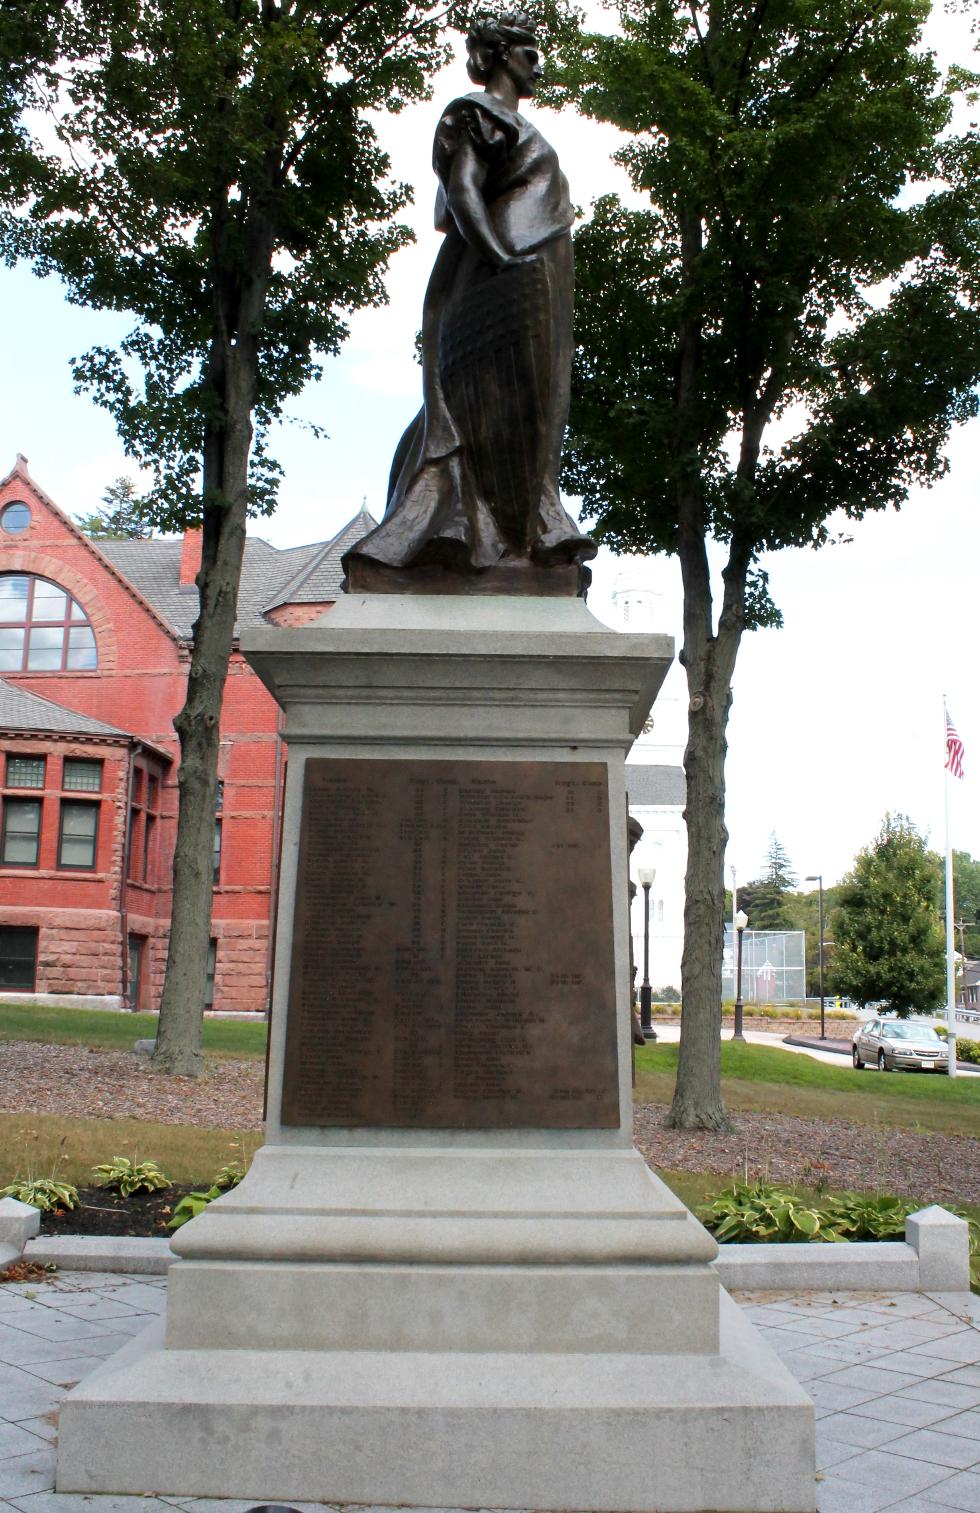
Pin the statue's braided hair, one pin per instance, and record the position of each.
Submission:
(488, 39)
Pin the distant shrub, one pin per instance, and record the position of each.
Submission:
(966, 1050)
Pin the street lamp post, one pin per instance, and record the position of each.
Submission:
(817, 877)
(646, 876)
(741, 920)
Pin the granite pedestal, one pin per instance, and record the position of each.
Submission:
(425, 1310)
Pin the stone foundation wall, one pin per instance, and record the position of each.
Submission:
(241, 979)
(78, 950)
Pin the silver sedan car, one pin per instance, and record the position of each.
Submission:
(891, 1043)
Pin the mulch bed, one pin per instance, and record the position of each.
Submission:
(75, 1082)
(102, 1212)
(818, 1153)
(81, 1082)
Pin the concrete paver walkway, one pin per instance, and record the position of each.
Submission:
(895, 1379)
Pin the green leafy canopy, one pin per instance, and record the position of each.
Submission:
(159, 156)
(810, 254)
(889, 938)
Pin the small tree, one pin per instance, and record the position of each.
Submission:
(216, 174)
(779, 873)
(765, 899)
(122, 519)
(890, 944)
(809, 257)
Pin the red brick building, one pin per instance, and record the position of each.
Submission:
(94, 649)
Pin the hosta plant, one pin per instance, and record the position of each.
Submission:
(863, 1216)
(192, 1204)
(45, 1193)
(196, 1202)
(126, 1177)
(759, 1213)
(229, 1176)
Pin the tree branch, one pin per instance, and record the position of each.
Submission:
(702, 42)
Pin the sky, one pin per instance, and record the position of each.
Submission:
(837, 717)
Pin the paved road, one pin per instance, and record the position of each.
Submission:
(670, 1034)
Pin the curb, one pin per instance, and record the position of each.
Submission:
(130, 1253)
(934, 1256)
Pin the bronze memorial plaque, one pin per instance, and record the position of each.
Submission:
(452, 963)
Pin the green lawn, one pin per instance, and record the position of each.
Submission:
(44, 1145)
(118, 1032)
(769, 1080)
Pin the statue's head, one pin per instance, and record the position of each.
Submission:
(508, 42)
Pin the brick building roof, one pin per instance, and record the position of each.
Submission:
(319, 579)
(270, 576)
(20, 710)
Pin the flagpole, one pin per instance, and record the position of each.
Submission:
(950, 949)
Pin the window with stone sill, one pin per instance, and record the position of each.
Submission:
(82, 775)
(149, 826)
(20, 835)
(42, 628)
(131, 842)
(25, 771)
(78, 835)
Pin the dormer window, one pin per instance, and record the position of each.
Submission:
(42, 628)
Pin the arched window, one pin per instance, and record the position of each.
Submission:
(42, 628)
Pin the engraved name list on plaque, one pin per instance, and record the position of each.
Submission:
(452, 962)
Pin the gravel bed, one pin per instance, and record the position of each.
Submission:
(82, 1083)
(818, 1152)
(79, 1082)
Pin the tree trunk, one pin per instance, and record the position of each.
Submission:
(710, 662)
(697, 1102)
(241, 264)
(178, 1047)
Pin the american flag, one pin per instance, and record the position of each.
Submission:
(954, 749)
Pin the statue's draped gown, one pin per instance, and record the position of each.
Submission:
(474, 479)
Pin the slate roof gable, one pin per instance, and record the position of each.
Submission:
(20, 710)
(270, 576)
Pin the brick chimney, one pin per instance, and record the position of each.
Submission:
(190, 557)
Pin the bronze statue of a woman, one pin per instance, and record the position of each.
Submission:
(473, 503)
